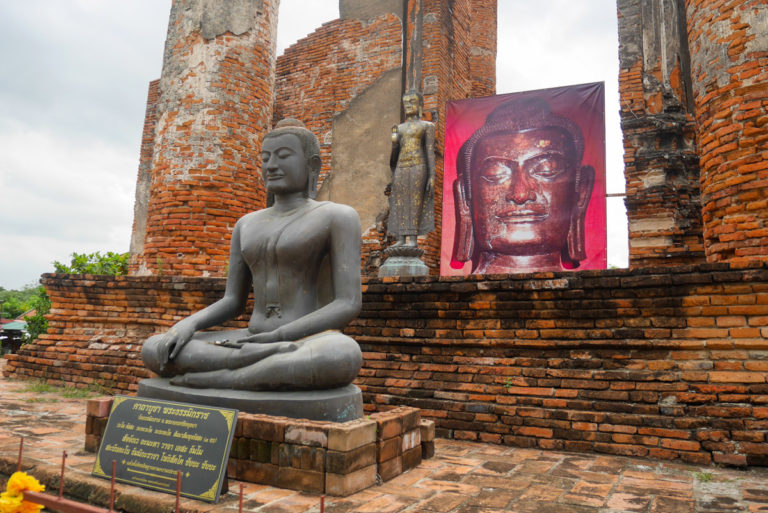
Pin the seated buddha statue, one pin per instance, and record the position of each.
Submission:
(301, 258)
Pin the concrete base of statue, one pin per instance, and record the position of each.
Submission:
(403, 261)
(335, 405)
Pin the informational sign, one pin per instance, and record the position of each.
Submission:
(524, 182)
(152, 440)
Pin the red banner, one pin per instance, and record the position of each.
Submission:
(524, 182)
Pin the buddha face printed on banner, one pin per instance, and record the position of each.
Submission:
(521, 192)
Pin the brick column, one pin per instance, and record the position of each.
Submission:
(482, 60)
(661, 167)
(144, 180)
(215, 103)
(446, 76)
(729, 58)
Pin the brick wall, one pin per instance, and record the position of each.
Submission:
(666, 363)
(215, 103)
(661, 166)
(729, 57)
(97, 324)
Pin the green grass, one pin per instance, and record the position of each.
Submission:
(704, 477)
(77, 393)
(39, 387)
(67, 391)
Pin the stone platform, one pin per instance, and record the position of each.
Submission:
(463, 477)
(335, 458)
(336, 405)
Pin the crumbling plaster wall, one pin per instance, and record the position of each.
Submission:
(361, 137)
(144, 179)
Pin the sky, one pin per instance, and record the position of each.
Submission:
(73, 91)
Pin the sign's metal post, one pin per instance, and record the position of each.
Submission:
(61, 479)
(178, 490)
(60, 503)
(21, 449)
(112, 488)
(240, 507)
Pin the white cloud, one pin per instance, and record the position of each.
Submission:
(72, 101)
(299, 18)
(60, 195)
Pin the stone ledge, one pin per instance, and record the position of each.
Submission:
(336, 405)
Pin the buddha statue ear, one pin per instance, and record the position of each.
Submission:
(313, 168)
(464, 239)
(576, 245)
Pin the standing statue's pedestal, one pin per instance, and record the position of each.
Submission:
(403, 261)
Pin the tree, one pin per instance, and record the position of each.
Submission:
(112, 264)
(16, 302)
(12, 307)
(37, 324)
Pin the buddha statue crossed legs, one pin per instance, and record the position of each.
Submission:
(302, 259)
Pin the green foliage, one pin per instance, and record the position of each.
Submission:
(112, 264)
(12, 308)
(16, 302)
(160, 265)
(37, 324)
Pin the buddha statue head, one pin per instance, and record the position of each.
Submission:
(291, 132)
(521, 191)
(413, 103)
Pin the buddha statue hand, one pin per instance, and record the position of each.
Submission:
(171, 343)
(258, 338)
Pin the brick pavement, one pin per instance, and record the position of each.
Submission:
(463, 477)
